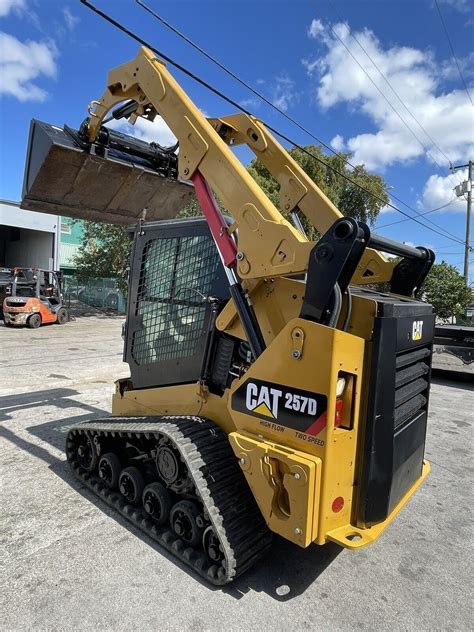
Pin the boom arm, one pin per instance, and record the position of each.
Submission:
(297, 190)
(268, 244)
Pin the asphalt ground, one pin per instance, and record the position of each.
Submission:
(69, 563)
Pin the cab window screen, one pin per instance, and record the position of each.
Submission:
(176, 276)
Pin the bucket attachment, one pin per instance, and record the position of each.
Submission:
(112, 181)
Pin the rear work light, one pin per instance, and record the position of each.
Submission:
(345, 388)
(340, 386)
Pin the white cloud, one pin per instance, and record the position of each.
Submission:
(338, 143)
(156, 131)
(283, 93)
(252, 103)
(21, 63)
(448, 69)
(70, 19)
(460, 5)
(279, 90)
(11, 5)
(438, 190)
(447, 116)
(316, 29)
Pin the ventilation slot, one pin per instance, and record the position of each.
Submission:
(411, 383)
(412, 356)
(16, 303)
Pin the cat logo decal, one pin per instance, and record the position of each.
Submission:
(417, 330)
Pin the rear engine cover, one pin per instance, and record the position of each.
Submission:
(397, 404)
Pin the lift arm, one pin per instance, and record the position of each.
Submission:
(298, 192)
(268, 244)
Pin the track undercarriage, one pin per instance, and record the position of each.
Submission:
(177, 479)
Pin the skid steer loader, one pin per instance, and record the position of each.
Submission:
(270, 389)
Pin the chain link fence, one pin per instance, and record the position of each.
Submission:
(100, 293)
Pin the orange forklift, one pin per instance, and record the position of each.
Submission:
(35, 299)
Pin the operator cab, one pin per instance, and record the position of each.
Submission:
(177, 286)
(24, 282)
(49, 288)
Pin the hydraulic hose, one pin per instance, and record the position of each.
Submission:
(336, 310)
(349, 309)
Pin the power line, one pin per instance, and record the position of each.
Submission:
(431, 221)
(239, 80)
(460, 263)
(229, 72)
(349, 30)
(422, 215)
(229, 100)
(433, 210)
(425, 149)
(444, 247)
(374, 195)
(452, 51)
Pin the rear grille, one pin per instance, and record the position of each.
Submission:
(411, 384)
(15, 303)
(397, 406)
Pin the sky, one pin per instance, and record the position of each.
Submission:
(372, 77)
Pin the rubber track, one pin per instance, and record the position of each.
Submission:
(219, 483)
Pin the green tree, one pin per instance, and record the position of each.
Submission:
(104, 252)
(446, 290)
(349, 198)
(192, 209)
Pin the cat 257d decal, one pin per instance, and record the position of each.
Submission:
(292, 408)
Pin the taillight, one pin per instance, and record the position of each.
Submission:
(338, 415)
(341, 385)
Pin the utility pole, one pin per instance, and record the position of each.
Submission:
(461, 189)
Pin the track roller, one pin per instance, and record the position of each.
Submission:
(157, 502)
(178, 480)
(211, 545)
(86, 452)
(109, 469)
(184, 520)
(131, 484)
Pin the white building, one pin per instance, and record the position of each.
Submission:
(28, 239)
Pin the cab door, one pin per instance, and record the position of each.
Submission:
(175, 269)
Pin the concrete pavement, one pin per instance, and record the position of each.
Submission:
(70, 563)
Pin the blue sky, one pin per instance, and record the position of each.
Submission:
(54, 57)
